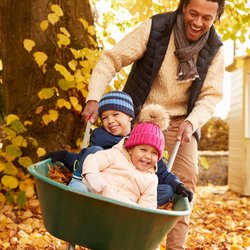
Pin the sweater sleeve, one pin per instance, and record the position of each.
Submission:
(124, 53)
(211, 92)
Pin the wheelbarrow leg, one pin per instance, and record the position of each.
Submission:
(70, 247)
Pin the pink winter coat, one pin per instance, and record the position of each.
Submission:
(124, 181)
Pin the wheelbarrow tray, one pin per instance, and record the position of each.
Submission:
(97, 222)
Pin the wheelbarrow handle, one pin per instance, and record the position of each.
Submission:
(173, 155)
(86, 135)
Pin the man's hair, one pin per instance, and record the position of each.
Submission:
(221, 6)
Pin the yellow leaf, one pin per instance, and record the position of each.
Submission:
(78, 107)
(28, 44)
(1, 166)
(72, 64)
(84, 93)
(45, 93)
(2, 197)
(111, 41)
(73, 100)
(57, 9)
(44, 25)
(64, 31)
(239, 63)
(204, 163)
(40, 152)
(63, 103)
(40, 58)
(91, 30)
(84, 23)
(64, 72)
(27, 123)
(9, 181)
(46, 119)
(10, 169)
(53, 115)
(10, 118)
(53, 18)
(62, 40)
(18, 140)
(77, 53)
(25, 161)
(78, 76)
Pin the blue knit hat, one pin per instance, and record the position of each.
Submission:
(117, 100)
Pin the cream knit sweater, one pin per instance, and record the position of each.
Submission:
(166, 90)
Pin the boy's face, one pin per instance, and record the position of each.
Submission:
(116, 122)
(143, 157)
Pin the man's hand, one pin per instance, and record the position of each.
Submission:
(185, 132)
(90, 111)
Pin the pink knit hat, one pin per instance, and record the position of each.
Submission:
(147, 133)
(153, 119)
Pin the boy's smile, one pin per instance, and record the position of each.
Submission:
(116, 122)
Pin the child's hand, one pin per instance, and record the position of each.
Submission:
(96, 182)
(182, 190)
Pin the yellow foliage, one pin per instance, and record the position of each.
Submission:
(44, 25)
(57, 9)
(84, 23)
(19, 141)
(63, 103)
(64, 31)
(13, 151)
(91, 30)
(25, 161)
(62, 40)
(53, 18)
(10, 169)
(10, 118)
(53, 115)
(78, 76)
(46, 119)
(84, 92)
(28, 44)
(75, 104)
(46, 93)
(27, 123)
(2, 197)
(40, 151)
(1, 166)
(40, 58)
(64, 72)
(72, 64)
(9, 181)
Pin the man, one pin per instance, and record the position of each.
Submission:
(177, 62)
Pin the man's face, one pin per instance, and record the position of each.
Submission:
(199, 15)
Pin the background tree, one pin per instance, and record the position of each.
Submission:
(23, 77)
(214, 135)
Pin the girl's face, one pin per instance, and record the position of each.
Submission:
(199, 15)
(116, 123)
(143, 157)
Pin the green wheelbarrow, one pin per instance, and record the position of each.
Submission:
(100, 223)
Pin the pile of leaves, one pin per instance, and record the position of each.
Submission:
(220, 220)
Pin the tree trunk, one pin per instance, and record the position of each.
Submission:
(23, 79)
